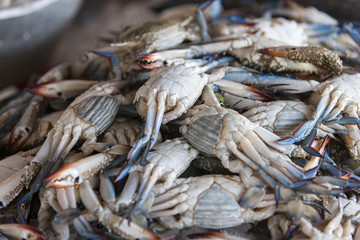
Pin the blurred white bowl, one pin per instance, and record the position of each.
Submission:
(28, 34)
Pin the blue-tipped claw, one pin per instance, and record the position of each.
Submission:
(309, 139)
(21, 217)
(277, 195)
(123, 172)
(312, 151)
(214, 8)
(116, 162)
(287, 182)
(349, 121)
(114, 62)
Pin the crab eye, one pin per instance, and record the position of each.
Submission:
(59, 94)
(77, 179)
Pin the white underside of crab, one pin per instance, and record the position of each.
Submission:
(173, 90)
(209, 201)
(233, 133)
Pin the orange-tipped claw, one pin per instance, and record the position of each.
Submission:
(275, 51)
(65, 177)
(41, 89)
(151, 61)
(207, 235)
(77, 172)
(22, 231)
(18, 137)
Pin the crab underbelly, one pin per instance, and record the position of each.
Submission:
(287, 120)
(217, 208)
(205, 133)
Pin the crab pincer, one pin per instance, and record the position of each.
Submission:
(22, 231)
(61, 88)
(319, 56)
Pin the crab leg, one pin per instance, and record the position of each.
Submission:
(116, 223)
(146, 140)
(61, 220)
(305, 128)
(61, 88)
(215, 8)
(113, 60)
(330, 166)
(274, 83)
(354, 34)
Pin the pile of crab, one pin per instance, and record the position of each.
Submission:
(201, 125)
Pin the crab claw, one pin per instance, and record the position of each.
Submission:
(321, 57)
(61, 88)
(307, 131)
(18, 137)
(42, 89)
(214, 235)
(151, 61)
(276, 51)
(161, 58)
(79, 171)
(22, 231)
(123, 172)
